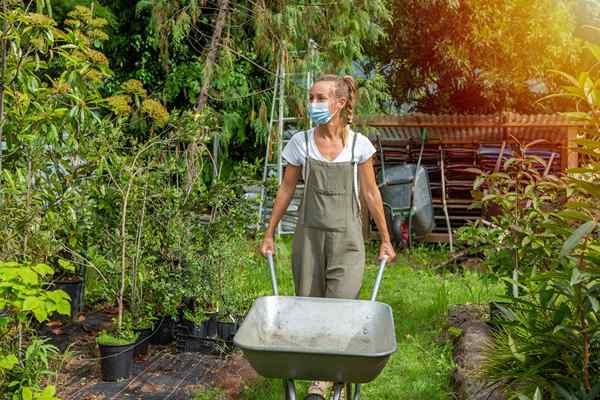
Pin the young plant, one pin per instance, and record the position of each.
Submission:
(520, 238)
(23, 297)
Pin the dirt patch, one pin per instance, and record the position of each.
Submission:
(236, 375)
(468, 353)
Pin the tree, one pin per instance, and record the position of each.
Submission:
(477, 56)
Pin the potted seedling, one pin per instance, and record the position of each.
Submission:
(195, 323)
(69, 280)
(116, 351)
(165, 323)
(236, 305)
(197, 333)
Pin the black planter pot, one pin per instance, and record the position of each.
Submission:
(191, 344)
(75, 291)
(116, 361)
(203, 338)
(210, 326)
(226, 330)
(163, 331)
(189, 328)
(143, 341)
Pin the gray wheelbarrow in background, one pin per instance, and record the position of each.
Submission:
(312, 338)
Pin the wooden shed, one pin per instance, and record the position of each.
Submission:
(456, 143)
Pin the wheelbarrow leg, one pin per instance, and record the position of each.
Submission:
(357, 393)
(290, 389)
(337, 394)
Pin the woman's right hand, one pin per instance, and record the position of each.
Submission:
(267, 246)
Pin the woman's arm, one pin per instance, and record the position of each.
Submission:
(370, 192)
(282, 201)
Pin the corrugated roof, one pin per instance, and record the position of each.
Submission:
(492, 128)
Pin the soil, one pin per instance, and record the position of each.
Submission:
(162, 374)
(468, 353)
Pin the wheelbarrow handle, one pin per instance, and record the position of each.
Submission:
(273, 276)
(379, 277)
(375, 288)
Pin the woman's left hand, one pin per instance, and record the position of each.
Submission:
(386, 249)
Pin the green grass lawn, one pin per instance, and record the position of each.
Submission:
(421, 367)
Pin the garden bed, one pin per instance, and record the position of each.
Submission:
(162, 374)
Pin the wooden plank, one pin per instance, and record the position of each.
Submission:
(571, 156)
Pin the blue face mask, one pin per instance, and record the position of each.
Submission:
(319, 113)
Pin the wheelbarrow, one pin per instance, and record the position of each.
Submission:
(347, 342)
(406, 197)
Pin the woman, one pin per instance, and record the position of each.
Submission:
(328, 253)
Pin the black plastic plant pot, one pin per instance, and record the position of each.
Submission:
(163, 331)
(116, 361)
(75, 290)
(211, 325)
(189, 328)
(143, 341)
(226, 330)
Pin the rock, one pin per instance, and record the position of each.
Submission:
(469, 348)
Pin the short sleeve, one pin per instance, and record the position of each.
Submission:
(293, 152)
(364, 147)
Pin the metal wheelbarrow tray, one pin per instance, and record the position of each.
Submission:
(339, 340)
(310, 338)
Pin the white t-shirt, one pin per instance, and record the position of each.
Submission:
(295, 151)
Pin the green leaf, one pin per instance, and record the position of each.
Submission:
(7, 362)
(28, 276)
(538, 394)
(66, 265)
(48, 393)
(513, 349)
(577, 277)
(574, 215)
(43, 269)
(560, 314)
(576, 237)
(591, 188)
(594, 303)
(37, 306)
(27, 393)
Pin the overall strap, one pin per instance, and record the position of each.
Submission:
(305, 170)
(306, 157)
(354, 162)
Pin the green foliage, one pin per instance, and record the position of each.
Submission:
(121, 338)
(21, 379)
(477, 56)
(524, 228)
(218, 277)
(51, 106)
(548, 341)
(22, 293)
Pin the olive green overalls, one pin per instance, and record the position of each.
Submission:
(328, 253)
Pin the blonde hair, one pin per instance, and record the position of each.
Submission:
(345, 86)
